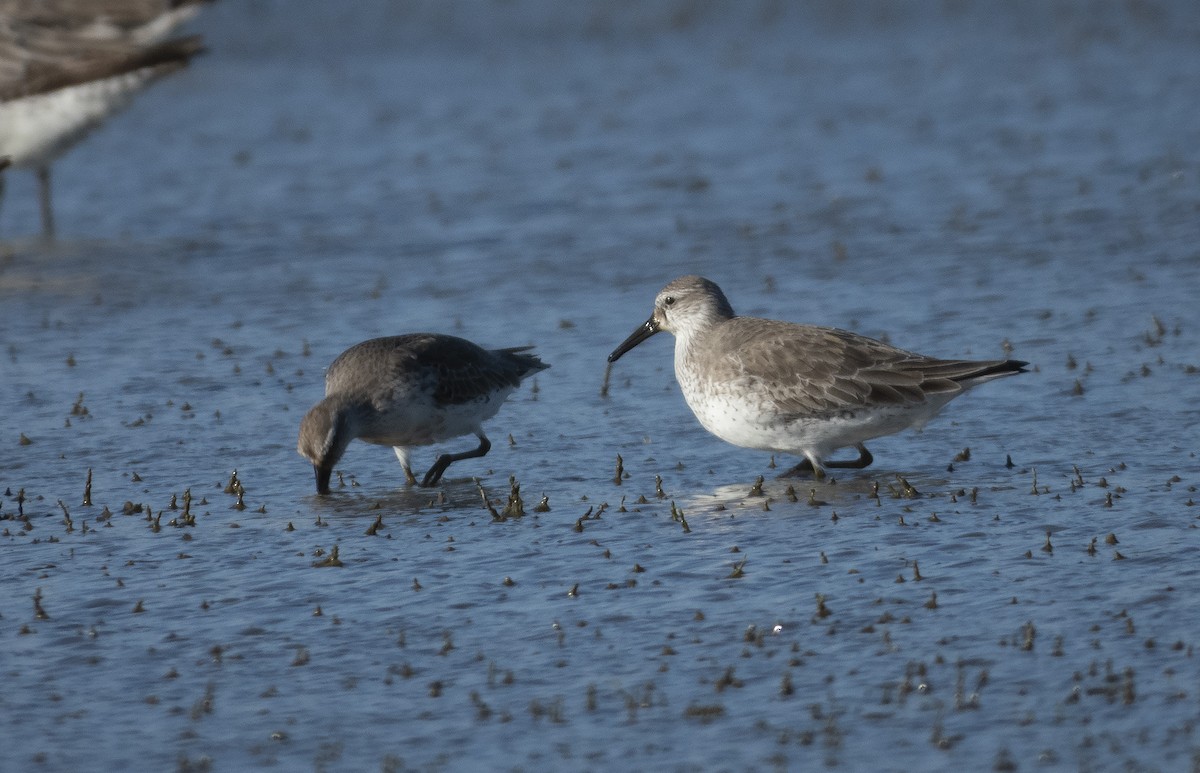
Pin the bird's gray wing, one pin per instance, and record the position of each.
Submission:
(807, 370)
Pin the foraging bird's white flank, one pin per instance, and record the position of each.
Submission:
(411, 390)
(799, 389)
(66, 66)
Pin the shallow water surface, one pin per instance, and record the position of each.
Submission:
(964, 182)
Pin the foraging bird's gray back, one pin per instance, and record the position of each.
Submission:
(411, 390)
(452, 370)
(801, 389)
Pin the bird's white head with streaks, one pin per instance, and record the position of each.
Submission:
(686, 307)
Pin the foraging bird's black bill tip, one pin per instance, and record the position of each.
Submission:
(323, 475)
(644, 331)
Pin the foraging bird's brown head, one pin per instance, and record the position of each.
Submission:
(325, 432)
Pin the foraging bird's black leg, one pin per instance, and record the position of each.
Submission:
(445, 460)
(864, 460)
(402, 455)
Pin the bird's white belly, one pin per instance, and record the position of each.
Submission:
(745, 418)
(36, 129)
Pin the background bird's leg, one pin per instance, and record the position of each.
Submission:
(445, 460)
(43, 177)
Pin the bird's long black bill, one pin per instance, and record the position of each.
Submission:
(323, 475)
(647, 329)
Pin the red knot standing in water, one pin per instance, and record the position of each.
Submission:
(411, 390)
(799, 389)
(67, 65)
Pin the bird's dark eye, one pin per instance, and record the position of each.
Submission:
(669, 300)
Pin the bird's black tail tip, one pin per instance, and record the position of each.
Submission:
(1004, 368)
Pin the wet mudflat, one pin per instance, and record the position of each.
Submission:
(961, 181)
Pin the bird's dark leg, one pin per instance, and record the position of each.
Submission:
(402, 455)
(798, 470)
(864, 460)
(445, 460)
(43, 177)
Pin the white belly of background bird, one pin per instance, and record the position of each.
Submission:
(37, 129)
(799, 389)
